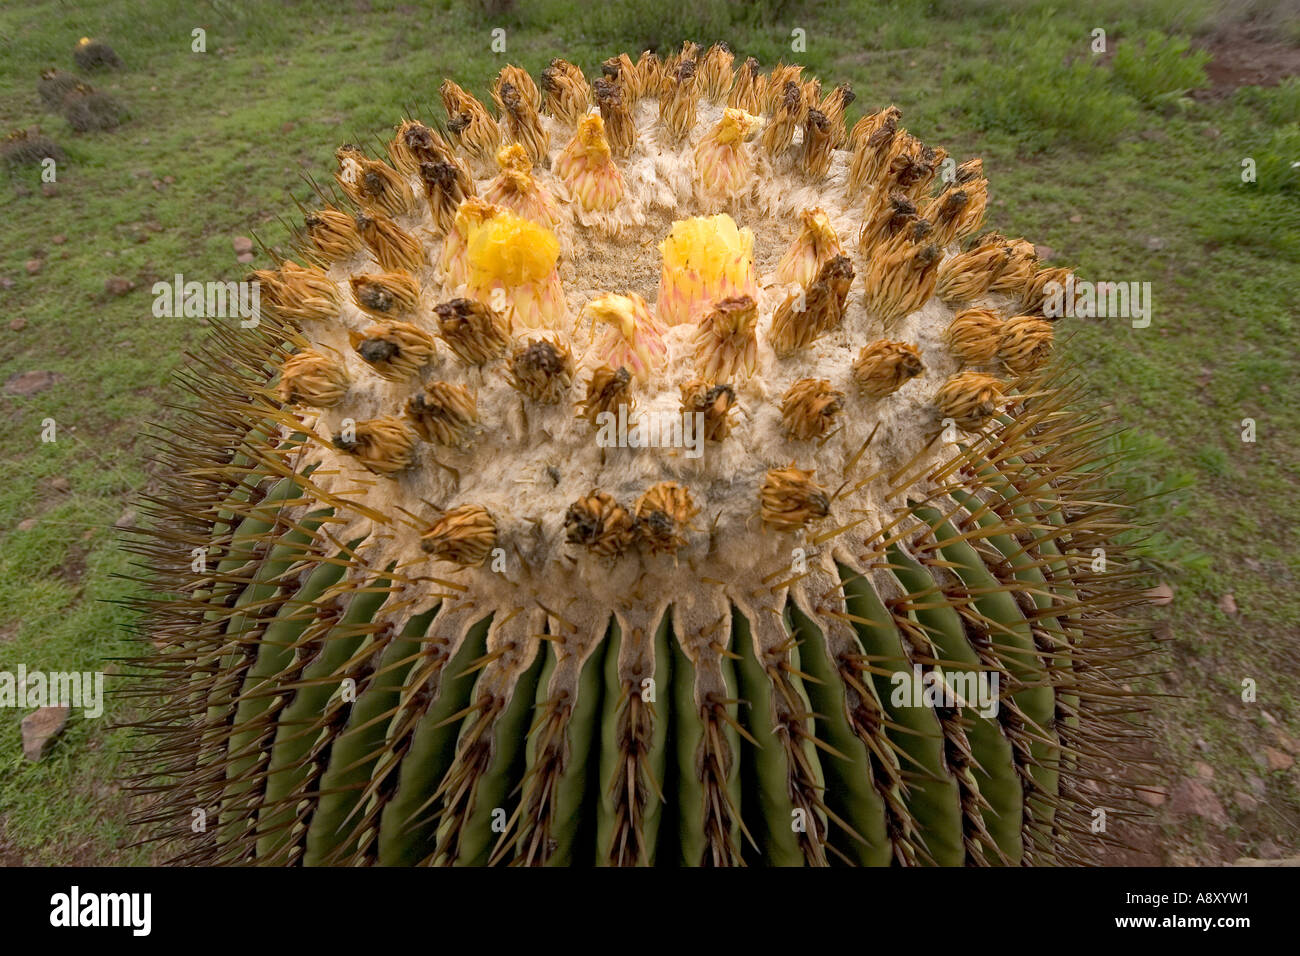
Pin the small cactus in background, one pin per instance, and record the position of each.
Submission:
(91, 54)
(413, 608)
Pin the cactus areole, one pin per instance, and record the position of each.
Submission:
(859, 601)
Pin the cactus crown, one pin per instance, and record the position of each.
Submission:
(484, 581)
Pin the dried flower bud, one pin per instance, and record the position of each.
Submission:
(1025, 344)
(714, 402)
(715, 72)
(887, 215)
(297, 293)
(469, 122)
(806, 315)
(333, 234)
(443, 414)
(620, 129)
(373, 185)
(969, 399)
(974, 334)
(567, 95)
(790, 499)
(522, 82)
(395, 249)
(607, 390)
(600, 524)
(901, 277)
(473, 331)
(833, 106)
(395, 350)
(523, 124)
(726, 342)
(883, 367)
(747, 91)
(679, 103)
(416, 144)
(446, 186)
(809, 408)
(386, 294)
(464, 535)
(778, 135)
(311, 378)
(542, 370)
(383, 445)
(872, 141)
(663, 513)
(815, 154)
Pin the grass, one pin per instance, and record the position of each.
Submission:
(1108, 162)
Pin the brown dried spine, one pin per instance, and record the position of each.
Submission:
(678, 106)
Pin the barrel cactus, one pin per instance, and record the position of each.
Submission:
(653, 470)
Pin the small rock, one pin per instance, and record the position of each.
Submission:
(40, 727)
(126, 519)
(1193, 798)
(1245, 802)
(27, 524)
(1265, 389)
(1257, 785)
(1286, 741)
(1228, 604)
(49, 189)
(1204, 770)
(1076, 218)
(17, 325)
(1268, 850)
(6, 282)
(1044, 252)
(61, 484)
(29, 383)
(1254, 565)
(1211, 132)
(1160, 594)
(117, 285)
(287, 127)
(169, 180)
(34, 266)
(1277, 760)
(244, 257)
(1152, 796)
(1155, 243)
(59, 239)
(242, 244)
